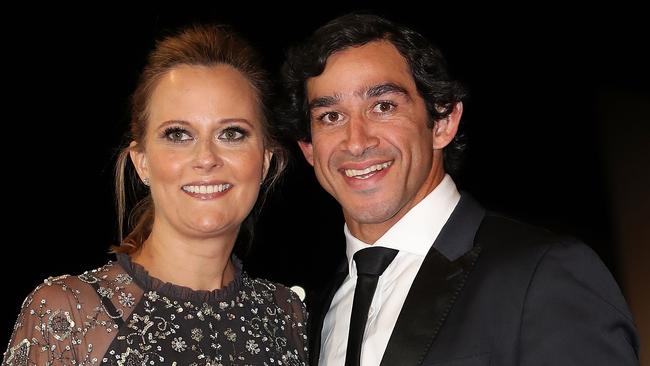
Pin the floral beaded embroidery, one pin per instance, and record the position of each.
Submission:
(115, 316)
(18, 355)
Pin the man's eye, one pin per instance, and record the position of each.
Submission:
(383, 107)
(330, 117)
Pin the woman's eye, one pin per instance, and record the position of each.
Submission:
(232, 134)
(176, 134)
(383, 107)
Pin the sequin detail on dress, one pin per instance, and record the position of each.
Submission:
(119, 315)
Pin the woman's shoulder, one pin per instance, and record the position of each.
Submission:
(274, 287)
(65, 315)
(289, 310)
(71, 291)
(282, 295)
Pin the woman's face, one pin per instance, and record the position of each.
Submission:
(203, 151)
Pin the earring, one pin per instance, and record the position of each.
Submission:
(145, 181)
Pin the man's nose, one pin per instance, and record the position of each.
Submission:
(359, 136)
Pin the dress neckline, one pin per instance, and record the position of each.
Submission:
(149, 283)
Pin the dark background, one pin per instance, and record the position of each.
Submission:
(557, 126)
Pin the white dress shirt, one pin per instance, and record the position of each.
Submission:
(413, 235)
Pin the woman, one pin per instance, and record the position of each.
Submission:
(176, 295)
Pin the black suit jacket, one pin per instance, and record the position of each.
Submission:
(493, 291)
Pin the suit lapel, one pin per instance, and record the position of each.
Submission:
(436, 286)
(320, 310)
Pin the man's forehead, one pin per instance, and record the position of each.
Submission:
(356, 70)
(362, 92)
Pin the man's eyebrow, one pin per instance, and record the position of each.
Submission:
(370, 92)
(324, 101)
(386, 88)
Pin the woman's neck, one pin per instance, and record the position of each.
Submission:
(200, 264)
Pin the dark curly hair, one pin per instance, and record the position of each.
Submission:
(426, 62)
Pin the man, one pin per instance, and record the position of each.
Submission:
(373, 109)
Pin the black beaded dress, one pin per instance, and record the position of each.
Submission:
(120, 315)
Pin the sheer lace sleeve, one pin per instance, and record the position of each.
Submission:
(46, 331)
(65, 322)
(297, 314)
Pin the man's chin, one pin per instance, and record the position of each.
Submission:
(370, 215)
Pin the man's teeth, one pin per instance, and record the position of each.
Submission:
(207, 189)
(365, 173)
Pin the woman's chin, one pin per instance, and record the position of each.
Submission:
(215, 227)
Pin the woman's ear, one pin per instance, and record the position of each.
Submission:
(444, 130)
(268, 155)
(139, 160)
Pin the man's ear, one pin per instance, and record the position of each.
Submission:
(307, 150)
(139, 160)
(445, 130)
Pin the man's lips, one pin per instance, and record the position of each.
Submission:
(365, 171)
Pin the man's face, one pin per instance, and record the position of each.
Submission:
(371, 148)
